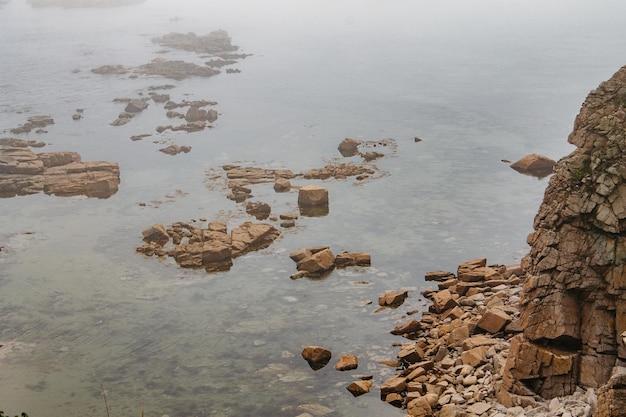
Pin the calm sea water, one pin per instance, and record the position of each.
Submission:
(478, 81)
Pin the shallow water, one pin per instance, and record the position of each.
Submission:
(477, 81)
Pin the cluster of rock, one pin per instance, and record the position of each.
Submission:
(133, 107)
(350, 147)
(213, 43)
(318, 261)
(212, 248)
(23, 172)
(34, 122)
(455, 360)
(217, 43)
(318, 357)
(574, 300)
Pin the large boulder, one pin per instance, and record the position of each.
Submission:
(535, 165)
(252, 236)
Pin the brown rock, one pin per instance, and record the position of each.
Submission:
(156, 233)
(349, 147)
(419, 407)
(358, 388)
(494, 320)
(316, 356)
(392, 298)
(312, 196)
(252, 236)
(318, 263)
(282, 185)
(443, 300)
(395, 384)
(535, 165)
(345, 259)
(347, 363)
(411, 326)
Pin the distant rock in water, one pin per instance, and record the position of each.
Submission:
(23, 172)
(83, 3)
(535, 165)
(574, 299)
(213, 43)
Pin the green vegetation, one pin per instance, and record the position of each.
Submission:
(21, 415)
(584, 170)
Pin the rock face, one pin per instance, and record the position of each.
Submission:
(59, 173)
(574, 299)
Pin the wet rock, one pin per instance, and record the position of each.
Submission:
(175, 149)
(156, 233)
(312, 196)
(160, 98)
(33, 122)
(358, 388)
(21, 143)
(535, 165)
(213, 43)
(346, 259)
(316, 356)
(338, 171)
(213, 248)
(136, 106)
(282, 185)
(258, 209)
(176, 70)
(110, 69)
(317, 264)
(59, 173)
(392, 299)
(349, 147)
(347, 363)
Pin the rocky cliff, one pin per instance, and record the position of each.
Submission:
(574, 298)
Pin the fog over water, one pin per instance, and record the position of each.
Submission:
(478, 81)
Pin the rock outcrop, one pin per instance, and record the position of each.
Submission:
(23, 172)
(574, 300)
(211, 248)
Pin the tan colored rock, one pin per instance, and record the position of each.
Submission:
(358, 388)
(395, 384)
(349, 147)
(252, 236)
(494, 320)
(419, 407)
(475, 357)
(282, 185)
(345, 259)
(410, 326)
(534, 164)
(156, 233)
(312, 196)
(443, 300)
(318, 263)
(347, 363)
(392, 298)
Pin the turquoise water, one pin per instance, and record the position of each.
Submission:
(478, 81)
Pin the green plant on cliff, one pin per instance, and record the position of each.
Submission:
(584, 170)
(21, 415)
